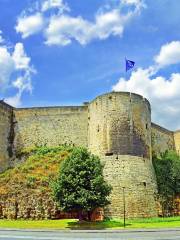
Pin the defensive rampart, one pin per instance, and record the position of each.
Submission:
(162, 139)
(51, 126)
(116, 126)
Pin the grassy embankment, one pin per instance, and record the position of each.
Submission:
(109, 224)
(41, 165)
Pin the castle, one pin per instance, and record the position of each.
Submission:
(116, 126)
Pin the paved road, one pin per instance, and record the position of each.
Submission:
(161, 234)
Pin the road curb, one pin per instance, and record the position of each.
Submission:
(90, 231)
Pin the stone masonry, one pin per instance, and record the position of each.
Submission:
(116, 126)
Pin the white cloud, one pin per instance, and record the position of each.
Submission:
(50, 4)
(61, 29)
(15, 100)
(169, 54)
(15, 72)
(28, 25)
(64, 28)
(7, 67)
(163, 93)
(20, 58)
(109, 23)
(22, 83)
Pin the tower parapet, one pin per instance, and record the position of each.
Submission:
(120, 123)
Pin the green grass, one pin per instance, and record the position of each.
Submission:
(33, 224)
(155, 222)
(108, 224)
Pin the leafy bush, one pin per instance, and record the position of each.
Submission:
(167, 169)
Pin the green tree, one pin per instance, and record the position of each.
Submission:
(167, 169)
(80, 185)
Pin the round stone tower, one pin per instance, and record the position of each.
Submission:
(120, 133)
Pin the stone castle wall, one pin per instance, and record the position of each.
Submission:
(50, 126)
(136, 175)
(6, 135)
(116, 126)
(162, 139)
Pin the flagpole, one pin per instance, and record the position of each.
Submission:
(125, 69)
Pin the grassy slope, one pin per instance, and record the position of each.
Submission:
(110, 224)
(35, 173)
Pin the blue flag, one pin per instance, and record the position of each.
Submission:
(129, 64)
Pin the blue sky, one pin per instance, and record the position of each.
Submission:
(55, 52)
